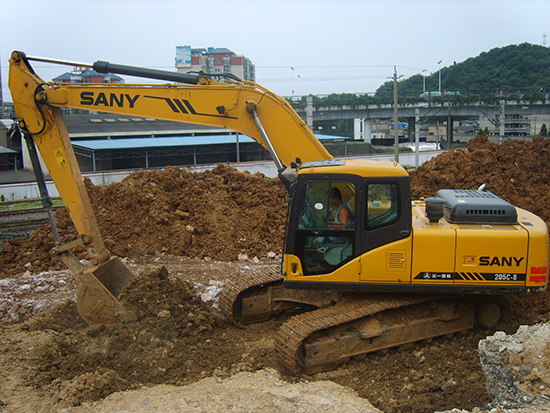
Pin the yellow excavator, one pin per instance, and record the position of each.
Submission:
(365, 268)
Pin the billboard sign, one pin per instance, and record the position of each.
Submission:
(183, 56)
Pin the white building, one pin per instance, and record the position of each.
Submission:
(214, 61)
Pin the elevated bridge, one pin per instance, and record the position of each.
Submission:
(422, 109)
(521, 118)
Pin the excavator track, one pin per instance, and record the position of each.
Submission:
(231, 295)
(335, 327)
(320, 340)
(257, 295)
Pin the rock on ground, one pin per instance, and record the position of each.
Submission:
(517, 366)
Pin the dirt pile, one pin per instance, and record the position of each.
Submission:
(56, 361)
(218, 214)
(516, 171)
(171, 342)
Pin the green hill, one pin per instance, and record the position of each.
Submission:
(522, 69)
(515, 72)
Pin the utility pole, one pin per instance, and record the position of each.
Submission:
(424, 78)
(238, 149)
(395, 115)
(439, 63)
(417, 137)
(449, 127)
(502, 121)
(309, 111)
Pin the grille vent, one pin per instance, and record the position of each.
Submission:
(396, 260)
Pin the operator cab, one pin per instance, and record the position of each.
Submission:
(380, 213)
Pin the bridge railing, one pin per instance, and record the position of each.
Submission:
(463, 97)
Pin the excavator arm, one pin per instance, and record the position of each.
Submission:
(239, 105)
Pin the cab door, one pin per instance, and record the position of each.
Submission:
(386, 241)
(314, 234)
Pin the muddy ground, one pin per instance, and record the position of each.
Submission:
(185, 234)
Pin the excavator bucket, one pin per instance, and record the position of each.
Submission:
(98, 289)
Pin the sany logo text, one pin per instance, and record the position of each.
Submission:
(108, 99)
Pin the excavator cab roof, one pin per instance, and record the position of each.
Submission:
(361, 167)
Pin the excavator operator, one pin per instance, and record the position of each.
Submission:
(343, 210)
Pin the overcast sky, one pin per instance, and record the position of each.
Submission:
(334, 46)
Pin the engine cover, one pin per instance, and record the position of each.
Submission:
(468, 206)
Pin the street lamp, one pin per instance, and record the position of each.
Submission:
(439, 63)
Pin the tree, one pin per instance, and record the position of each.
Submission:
(543, 130)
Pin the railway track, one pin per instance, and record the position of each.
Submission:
(19, 223)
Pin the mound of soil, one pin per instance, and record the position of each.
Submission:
(171, 342)
(53, 360)
(74, 362)
(517, 171)
(260, 392)
(219, 214)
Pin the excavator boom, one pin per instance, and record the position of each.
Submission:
(237, 105)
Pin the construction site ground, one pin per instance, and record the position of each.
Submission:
(184, 235)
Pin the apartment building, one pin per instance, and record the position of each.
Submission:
(214, 61)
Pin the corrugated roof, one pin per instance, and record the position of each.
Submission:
(174, 141)
(103, 125)
(137, 143)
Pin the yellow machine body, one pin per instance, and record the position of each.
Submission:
(438, 256)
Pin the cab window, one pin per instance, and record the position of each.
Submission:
(382, 205)
(326, 226)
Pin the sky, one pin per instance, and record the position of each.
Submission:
(299, 47)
